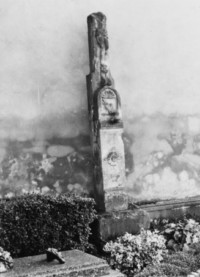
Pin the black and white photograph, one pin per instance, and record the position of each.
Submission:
(99, 138)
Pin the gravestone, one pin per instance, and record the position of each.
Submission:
(106, 126)
(105, 121)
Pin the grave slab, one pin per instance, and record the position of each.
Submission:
(77, 264)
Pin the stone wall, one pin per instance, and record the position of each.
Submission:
(155, 62)
(166, 153)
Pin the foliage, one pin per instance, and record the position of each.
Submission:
(178, 263)
(32, 223)
(151, 270)
(179, 235)
(160, 223)
(131, 253)
(6, 259)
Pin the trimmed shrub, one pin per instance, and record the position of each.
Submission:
(30, 224)
(131, 253)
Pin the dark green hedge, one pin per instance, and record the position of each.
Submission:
(32, 223)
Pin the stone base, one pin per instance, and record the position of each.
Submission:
(117, 223)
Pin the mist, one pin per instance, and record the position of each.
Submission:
(155, 62)
(44, 55)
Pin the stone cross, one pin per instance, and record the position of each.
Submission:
(105, 121)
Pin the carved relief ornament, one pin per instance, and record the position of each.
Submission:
(108, 105)
(113, 157)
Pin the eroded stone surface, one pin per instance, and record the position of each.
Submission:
(115, 200)
(105, 120)
(117, 223)
(113, 161)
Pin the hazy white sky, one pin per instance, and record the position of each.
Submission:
(154, 55)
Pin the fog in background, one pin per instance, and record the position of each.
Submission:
(154, 55)
(155, 62)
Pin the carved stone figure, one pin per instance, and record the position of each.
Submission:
(53, 254)
(102, 38)
(101, 51)
(101, 32)
(105, 75)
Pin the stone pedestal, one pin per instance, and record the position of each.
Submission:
(117, 223)
(110, 225)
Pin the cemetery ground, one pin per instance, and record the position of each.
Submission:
(31, 224)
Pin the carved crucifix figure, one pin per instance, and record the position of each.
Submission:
(105, 121)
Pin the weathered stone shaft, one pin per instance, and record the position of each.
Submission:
(105, 121)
